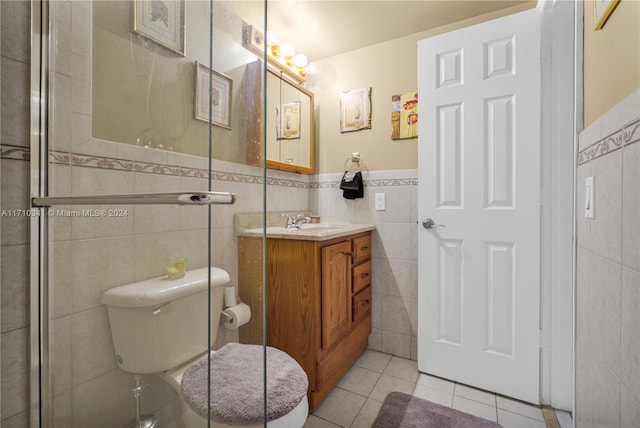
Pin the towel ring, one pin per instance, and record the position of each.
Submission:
(355, 160)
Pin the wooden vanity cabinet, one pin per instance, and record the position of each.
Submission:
(318, 303)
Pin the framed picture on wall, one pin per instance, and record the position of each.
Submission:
(355, 110)
(404, 116)
(214, 105)
(602, 9)
(288, 121)
(161, 21)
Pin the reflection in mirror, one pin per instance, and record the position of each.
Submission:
(149, 93)
(144, 91)
(289, 135)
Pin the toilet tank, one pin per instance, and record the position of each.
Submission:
(160, 323)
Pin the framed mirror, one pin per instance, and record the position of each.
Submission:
(289, 138)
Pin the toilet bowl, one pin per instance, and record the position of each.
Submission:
(159, 326)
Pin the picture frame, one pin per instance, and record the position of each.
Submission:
(355, 110)
(162, 22)
(288, 122)
(602, 10)
(218, 100)
(404, 116)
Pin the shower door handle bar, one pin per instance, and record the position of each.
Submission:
(178, 198)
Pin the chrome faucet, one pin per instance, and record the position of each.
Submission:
(294, 222)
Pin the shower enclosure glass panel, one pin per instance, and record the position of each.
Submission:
(132, 98)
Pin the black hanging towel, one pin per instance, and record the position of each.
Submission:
(351, 185)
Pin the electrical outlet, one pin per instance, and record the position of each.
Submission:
(380, 202)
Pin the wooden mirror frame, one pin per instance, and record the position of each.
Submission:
(284, 166)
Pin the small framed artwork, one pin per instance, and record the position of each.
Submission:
(289, 121)
(355, 110)
(602, 9)
(404, 116)
(215, 105)
(161, 21)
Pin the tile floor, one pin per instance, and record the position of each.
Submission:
(357, 398)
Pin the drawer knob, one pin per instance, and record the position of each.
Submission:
(364, 275)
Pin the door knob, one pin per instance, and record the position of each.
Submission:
(430, 224)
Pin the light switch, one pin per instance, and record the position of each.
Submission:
(380, 202)
(590, 197)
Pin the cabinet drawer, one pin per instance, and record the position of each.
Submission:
(362, 304)
(361, 249)
(361, 276)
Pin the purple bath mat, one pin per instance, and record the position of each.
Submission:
(406, 411)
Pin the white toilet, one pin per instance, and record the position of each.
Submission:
(159, 326)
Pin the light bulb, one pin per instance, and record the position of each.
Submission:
(311, 68)
(287, 50)
(272, 37)
(300, 60)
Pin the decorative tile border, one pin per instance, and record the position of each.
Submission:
(325, 185)
(367, 183)
(88, 161)
(99, 162)
(287, 183)
(166, 170)
(627, 135)
(15, 153)
(393, 182)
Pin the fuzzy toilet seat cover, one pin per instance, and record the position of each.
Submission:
(237, 385)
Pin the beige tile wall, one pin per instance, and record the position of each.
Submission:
(395, 250)
(608, 272)
(14, 232)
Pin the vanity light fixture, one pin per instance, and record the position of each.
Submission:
(280, 55)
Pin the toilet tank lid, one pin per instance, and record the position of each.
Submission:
(160, 290)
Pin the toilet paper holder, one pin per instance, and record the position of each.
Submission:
(228, 316)
(236, 316)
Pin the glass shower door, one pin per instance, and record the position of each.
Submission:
(138, 124)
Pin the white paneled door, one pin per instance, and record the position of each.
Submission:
(479, 176)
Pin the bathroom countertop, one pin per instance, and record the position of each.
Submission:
(309, 231)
